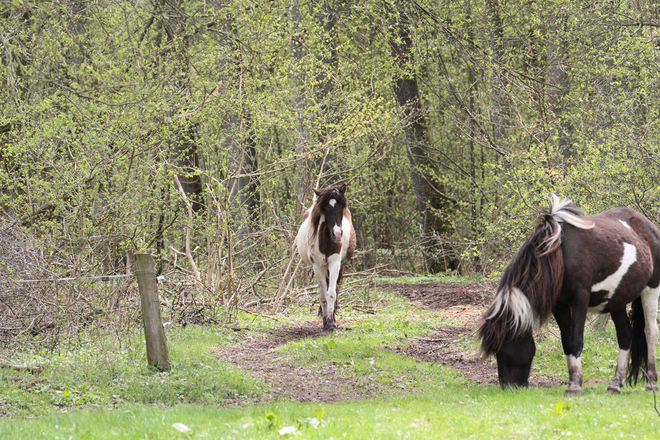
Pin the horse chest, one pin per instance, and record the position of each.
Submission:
(316, 250)
(317, 257)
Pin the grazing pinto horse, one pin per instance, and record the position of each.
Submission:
(326, 239)
(570, 265)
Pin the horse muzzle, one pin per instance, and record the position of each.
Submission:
(336, 234)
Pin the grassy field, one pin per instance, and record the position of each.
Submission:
(99, 388)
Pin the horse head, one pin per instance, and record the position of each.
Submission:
(331, 203)
(514, 361)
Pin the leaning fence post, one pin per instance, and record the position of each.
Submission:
(154, 333)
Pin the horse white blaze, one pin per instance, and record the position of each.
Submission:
(332, 202)
(610, 283)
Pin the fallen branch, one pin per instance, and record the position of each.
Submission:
(434, 339)
(5, 364)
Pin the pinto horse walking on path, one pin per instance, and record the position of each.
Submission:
(326, 239)
(571, 265)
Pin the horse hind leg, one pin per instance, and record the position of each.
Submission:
(624, 338)
(650, 305)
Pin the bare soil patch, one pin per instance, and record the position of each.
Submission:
(443, 295)
(463, 302)
(293, 382)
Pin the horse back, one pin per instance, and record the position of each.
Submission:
(592, 256)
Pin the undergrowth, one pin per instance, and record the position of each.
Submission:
(81, 382)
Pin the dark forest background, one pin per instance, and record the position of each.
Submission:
(198, 129)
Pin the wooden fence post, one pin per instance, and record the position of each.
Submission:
(154, 333)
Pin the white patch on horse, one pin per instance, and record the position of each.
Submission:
(650, 296)
(561, 216)
(517, 303)
(625, 224)
(574, 363)
(574, 373)
(337, 234)
(332, 202)
(621, 369)
(610, 283)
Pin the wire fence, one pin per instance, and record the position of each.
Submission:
(42, 304)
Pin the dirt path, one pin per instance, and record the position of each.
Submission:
(293, 382)
(463, 302)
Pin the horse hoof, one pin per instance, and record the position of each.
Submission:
(571, 391)
(611, 390)
(653, 387)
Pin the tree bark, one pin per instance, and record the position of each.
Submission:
(558, 85)
(302, 133)
(432, 206)
(499, 112)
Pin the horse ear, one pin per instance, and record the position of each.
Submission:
(342, 188)
(317, 192)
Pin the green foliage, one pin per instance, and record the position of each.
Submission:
(104, 105)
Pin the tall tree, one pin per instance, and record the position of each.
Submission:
(498, 76)
(432, 203)
(302, 140)
(558, 80)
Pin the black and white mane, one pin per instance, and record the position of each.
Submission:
(570, 265)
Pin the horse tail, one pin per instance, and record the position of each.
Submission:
(531, 283)
(638, 347)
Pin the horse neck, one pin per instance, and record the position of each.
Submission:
(537, 274)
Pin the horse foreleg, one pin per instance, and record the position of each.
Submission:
(571, 325)
(650, 306)
(624, 337)
(321, 279)
(334, 266)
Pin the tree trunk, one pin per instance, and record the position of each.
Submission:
(183, 144)
(327, 19)
(558, 83)
(432, 205)
(499, 113)
(302, 134)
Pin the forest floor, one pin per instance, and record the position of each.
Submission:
(463, 303)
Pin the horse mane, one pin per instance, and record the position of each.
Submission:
(322, 197)
(531, 283)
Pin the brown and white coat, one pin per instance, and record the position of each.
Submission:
(326, 240)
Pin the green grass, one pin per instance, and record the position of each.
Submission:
(100, 388)
(104, 374)
(457, 412)
(446, 277)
